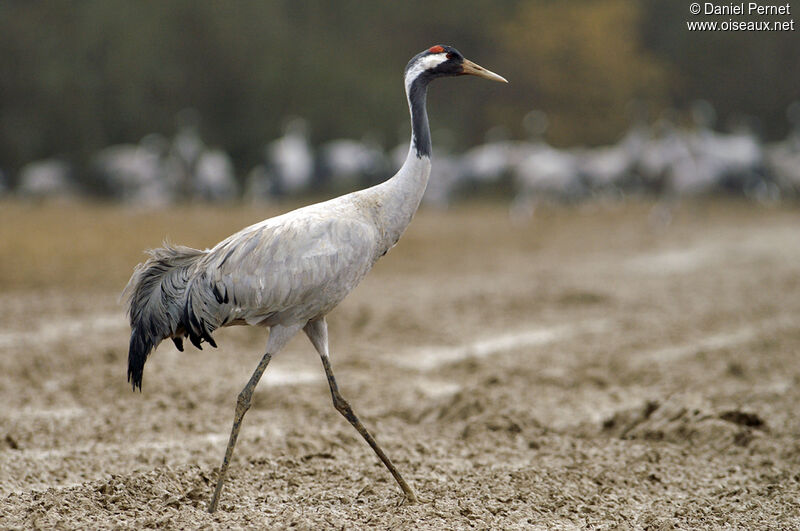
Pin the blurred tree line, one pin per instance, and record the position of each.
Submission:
(78, 76)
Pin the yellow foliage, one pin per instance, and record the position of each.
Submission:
(586, 63)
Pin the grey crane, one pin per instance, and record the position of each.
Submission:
(287, 272)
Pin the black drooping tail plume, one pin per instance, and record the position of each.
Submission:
(155, 295)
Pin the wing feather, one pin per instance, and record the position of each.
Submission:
(299, 265)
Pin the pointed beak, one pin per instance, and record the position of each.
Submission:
(468, 67)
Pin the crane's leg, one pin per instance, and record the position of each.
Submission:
(278, 336)
(317, 332)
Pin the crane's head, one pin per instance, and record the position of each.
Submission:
(441, 60)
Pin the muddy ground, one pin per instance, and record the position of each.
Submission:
(605, 366)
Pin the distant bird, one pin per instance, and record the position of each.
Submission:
(541, 171)
(488, 163)
(184, 153)
(345, 161)
(612, 168)
(662, 152)
(135, 173)
(288, 272)
(45, 179)
(215, 178)
(720, 161)
(783, 158)
(291, 161)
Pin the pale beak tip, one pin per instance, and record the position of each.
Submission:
(476, 70)
(496, 77)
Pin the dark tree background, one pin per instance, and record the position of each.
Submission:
(77, 76)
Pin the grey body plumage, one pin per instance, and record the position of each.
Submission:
(291, 268)
(288, 272)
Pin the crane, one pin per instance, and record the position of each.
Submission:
(287, 272)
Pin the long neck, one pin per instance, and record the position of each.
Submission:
(400, 196)
(417, 92)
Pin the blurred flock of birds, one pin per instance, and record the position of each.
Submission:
(661, 159)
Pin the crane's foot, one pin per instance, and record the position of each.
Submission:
(411, 499)
(407, 501)
(212, 504)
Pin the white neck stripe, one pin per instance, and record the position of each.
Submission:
(425, 63)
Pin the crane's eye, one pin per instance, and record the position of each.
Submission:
(451, 55)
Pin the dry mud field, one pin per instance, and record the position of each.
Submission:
(594, 368)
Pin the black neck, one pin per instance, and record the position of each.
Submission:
(420, 130)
